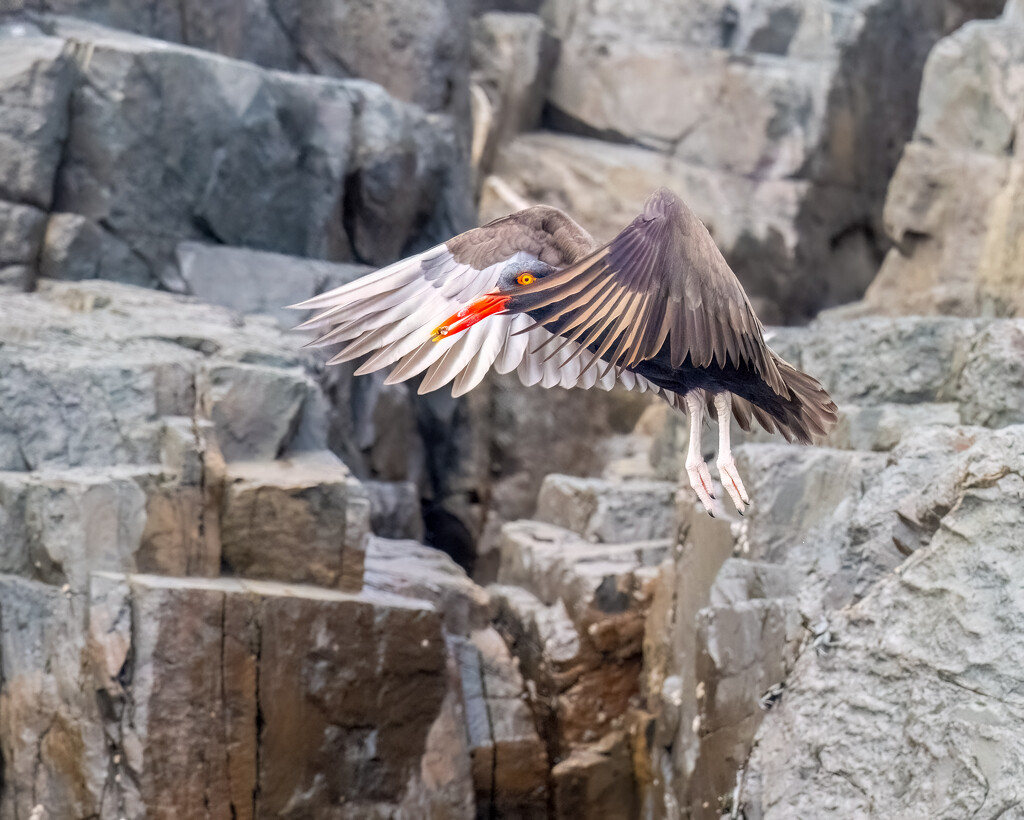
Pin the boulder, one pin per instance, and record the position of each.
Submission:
(954, 205)
(908, 689)
(510, 762)
(783, 145)
(425, 44)
(303, 519)
(36, 82)
(410, 569)
(294, 164)
(512, 57)
(251, 281)
(608, 511)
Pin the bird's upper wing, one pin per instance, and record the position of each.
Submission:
(391, 313)
(661, 278)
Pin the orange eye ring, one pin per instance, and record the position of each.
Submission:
(526, 278)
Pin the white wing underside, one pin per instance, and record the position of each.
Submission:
(392, 312)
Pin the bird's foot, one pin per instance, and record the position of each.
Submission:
(732, 483)
(700, 480)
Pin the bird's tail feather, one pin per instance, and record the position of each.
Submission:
(806, 416)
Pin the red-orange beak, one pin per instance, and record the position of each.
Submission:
(471, 314)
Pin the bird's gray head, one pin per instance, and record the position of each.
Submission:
(520, 272)
(515, 275)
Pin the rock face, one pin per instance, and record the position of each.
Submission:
(415, 50)
(956, 205)
(784, 145)
(758, 670)
(193, 693)
(909, 687)
(103, 134)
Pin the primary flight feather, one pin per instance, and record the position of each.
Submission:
(657, 308)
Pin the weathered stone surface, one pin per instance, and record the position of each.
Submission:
(71, 248)
(279, 162)
(510, 763)
(909, 688)
(596, 781)
(512, 58)
(746, 647)
(954, 204)
(21, 234)
(604, 185)
(201, 647)
(35, 83)
(395, 509)
(786, 142)
(606, 511)
(92, 368)
(521, 434)
(51, 735)
(605, 588)
(256, 281)
(303, 519)
(416, 51)
(413, 570)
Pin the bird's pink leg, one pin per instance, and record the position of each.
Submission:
(696, 469)
(726, 463)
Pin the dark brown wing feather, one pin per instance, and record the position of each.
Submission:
(545, 232)
(661, 278)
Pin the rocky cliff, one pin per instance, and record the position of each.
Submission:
(216, 597)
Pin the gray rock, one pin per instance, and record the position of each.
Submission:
(72, 248)
(21, 234)
(93, 367)
(36, 81)
(990, 387)
(954, 202)
(416, 51)
(256, 281)
(51, 732)
(395, 509)
(746, 648)
(611, 512)
(410, 569)
(200, 647)
(883, 426)
(605, 588)
(510, 766)
(909, 689)
(512, 58)
(337, 155)
(786, 143)
(878, 361)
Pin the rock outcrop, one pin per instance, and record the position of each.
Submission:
(758, 609)
(772, 120)
(955, 207)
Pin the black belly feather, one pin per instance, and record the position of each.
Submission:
(741, 381)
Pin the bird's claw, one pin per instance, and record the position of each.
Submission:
(732, 483)
(700, 480)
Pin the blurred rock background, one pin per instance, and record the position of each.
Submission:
(236, 584)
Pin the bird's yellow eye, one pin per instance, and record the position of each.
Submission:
(526, 278)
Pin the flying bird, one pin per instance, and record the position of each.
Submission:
(657, 309)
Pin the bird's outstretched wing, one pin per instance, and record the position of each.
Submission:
(661, 278)
(390, 314)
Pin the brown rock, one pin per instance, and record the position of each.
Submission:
(510, 762)
(596, 781)
(413, 570)
(253, 699)
(304, 519)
